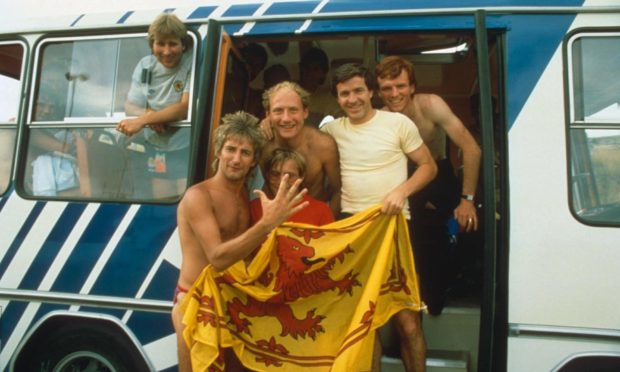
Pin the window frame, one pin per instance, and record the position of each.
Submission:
(94, 122)
(7, 125)
(573, 124)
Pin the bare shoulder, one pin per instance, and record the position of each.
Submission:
(197, 197)
(320, 141)
(429, 101)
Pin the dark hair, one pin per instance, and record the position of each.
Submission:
(315, 56)
(349, 71)
(257, 50)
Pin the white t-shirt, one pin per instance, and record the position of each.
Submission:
(373, 157)
(156, 87)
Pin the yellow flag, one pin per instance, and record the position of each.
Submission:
(311, 298)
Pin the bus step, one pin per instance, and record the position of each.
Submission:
(436, 361)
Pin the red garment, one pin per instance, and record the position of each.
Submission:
(316, 213)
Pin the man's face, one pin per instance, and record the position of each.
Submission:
(278, 171)
(236, 158)
(396, 93)
(354, 98)
(168, 50)
(286, 113)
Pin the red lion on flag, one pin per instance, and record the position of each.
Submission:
(292, 281)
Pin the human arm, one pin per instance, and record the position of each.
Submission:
(197, 211)
(426, 170)
(465, 212)
(331, 166)
(157, 120)
(266, 129)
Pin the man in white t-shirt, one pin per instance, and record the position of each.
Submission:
(374, 148)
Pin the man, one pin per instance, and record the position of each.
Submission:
(158, 96)
(289, 162)
(439, 200)
(374, 148)
(286, 108)
(213, 217)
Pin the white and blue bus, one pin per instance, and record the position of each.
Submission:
(89, 255)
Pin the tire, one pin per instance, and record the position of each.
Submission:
(83, 350)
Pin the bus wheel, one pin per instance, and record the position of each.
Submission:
(92, 352)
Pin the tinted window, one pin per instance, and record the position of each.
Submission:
(595, 126)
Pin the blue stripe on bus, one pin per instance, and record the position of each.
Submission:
(373, 5)
(202, 12)
(57, 237)
(21, 235)
(164, 282)
(124, 17)
(89, 247)
(525, 69)
(160, 288)
(417, 23)
(142, 324)
(10, 317)
(275, 28)
(5, 197)
(77, 20)
(292, 8)
(124, 273)
(240, 10)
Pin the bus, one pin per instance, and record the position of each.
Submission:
(89, 252)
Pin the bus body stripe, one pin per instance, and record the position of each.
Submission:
(13, 219)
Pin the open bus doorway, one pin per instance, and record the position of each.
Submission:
(445, 64)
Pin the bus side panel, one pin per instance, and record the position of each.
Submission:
(563, 274)
(120, 251)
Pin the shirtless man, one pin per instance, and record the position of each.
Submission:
(286, 106)
(214, 219)
(432, 206)
(435, 121)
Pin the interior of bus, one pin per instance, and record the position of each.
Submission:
(445, 64)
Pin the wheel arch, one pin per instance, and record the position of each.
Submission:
(70, 321)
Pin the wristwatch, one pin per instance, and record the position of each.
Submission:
(467, 197)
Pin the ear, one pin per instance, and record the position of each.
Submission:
(306, 113)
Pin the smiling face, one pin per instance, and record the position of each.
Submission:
(354, 98)
(396, 93)
(286, 113)
(278, 170)
(236, 158)
(168, 50)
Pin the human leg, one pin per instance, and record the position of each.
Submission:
(412, 342)
(185, 364)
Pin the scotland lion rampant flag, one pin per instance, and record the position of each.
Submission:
(311, 297)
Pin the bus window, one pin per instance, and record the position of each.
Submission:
(595, 126)
(11, 56)
(79, 95)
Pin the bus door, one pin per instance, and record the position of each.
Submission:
(445, 53)
(11, 71)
